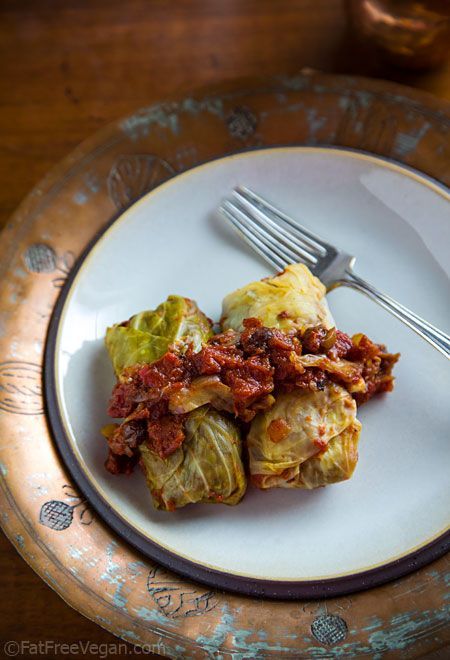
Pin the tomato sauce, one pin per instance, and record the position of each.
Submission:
(252, 365)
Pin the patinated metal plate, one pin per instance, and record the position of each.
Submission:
(44, 516)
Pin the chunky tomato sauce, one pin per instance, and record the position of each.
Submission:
(249, 367)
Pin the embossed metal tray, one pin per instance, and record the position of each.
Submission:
(42, 513)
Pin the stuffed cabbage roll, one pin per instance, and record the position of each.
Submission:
(207, 467)
(293, 299)
(308, 438)
(185, 458)
(300, 425)
(145, 337)
(336, 463)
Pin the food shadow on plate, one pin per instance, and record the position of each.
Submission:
(255, 505)
(87, 384)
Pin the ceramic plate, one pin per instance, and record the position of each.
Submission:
(392, 516)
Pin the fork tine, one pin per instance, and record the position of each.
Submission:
(271, 243)
(314, 241)
(270, 237)
(277, 262)
(297, 249)
(256, 237)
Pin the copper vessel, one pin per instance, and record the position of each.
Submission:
(406, 33)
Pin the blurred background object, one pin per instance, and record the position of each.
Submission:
(406, 33)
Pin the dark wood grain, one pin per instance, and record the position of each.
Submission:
(31, 612)
(69, 68)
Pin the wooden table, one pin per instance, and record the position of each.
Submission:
(69, 68)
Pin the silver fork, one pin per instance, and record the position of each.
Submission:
(282, 241)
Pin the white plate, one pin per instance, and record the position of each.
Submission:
(392, 514)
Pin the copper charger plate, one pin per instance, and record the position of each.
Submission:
(43, 514)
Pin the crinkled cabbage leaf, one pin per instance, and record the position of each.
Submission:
(348, 371)
(291, 299)
(148, 335)
(301, 424)
(335, 464)
(202, 390)
(207, 467)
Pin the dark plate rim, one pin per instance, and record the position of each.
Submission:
(254, 587)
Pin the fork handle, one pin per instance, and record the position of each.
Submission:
(437, 338)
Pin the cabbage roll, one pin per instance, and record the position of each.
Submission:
(293, 299)
(186, 458)
(307, 439)
(336, 463)
(147, 336)
(207, 467)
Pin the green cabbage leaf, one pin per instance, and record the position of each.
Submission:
(207, 467)
(293, 299)
(147, 336)
(310, 420)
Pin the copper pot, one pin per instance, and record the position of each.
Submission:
(405, 32)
